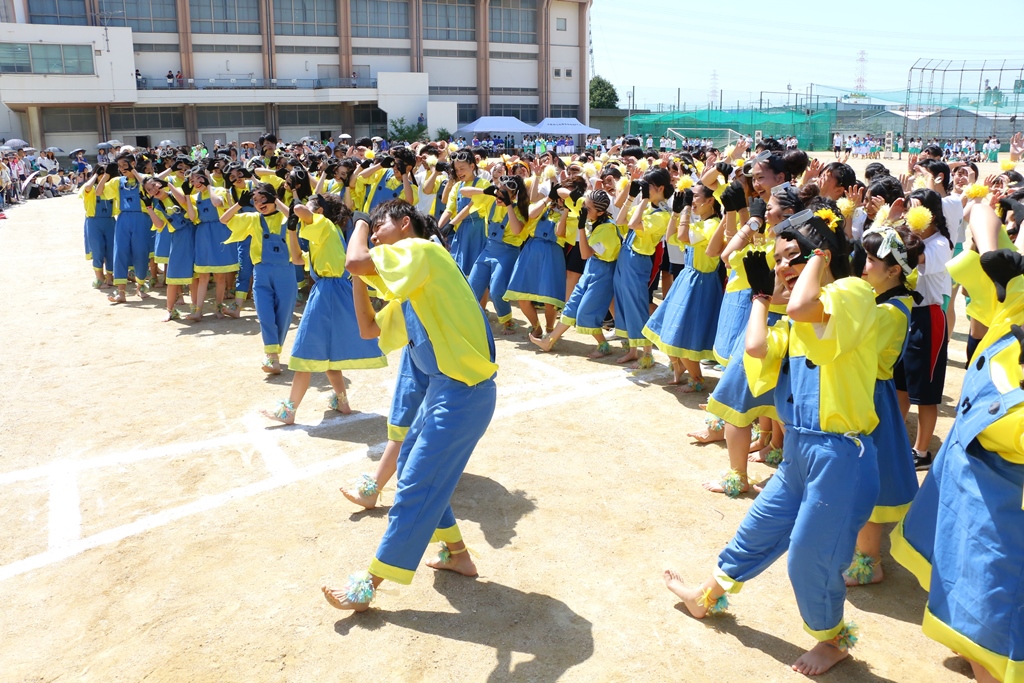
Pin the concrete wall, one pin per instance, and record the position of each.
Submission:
(403, 95)
(442, 115)
(612, 122)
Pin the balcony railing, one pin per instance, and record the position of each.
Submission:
(160, 83)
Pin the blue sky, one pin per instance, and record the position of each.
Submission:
(661, 45)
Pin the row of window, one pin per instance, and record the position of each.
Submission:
(83, 119)
(510, 21)
(45, 58)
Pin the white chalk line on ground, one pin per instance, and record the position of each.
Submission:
(65, 511)
(281, 475)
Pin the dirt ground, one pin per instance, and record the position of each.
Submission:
(156, 528)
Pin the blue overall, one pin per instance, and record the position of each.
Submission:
(539, 273)
(450, 421)
(731, 399)
(963, 536)
(133, 234)
(468, 238)
(212, 254)
(274, 289)
(243, 281)
(588, 304)
(182, 255)
(410, 387)
(732, 323)
(100, 230)
(814, 506)
(381, 193)
(493, 268)
(632, 273)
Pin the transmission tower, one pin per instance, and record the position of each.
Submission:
(713, 93)
(860, 84)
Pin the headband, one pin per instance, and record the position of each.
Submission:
(892, 244)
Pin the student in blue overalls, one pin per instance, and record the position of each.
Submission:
(214, 256)
(99, 231)
(963, 537)
(434, 314)
(390, 177)
(133, 235)
(171, 211)
(239, 180)
(275, 252)
(466, 213)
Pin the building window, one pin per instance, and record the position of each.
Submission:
(69, 120)
(565, 111)
(380, 18)
(156, 47)
(328, 115)
(146, 118)
(513, 21)
(568, 73)
(449, 19)
(225, 16)
(467, 113)
(147, 16)
(527, 113)
(452, 90)
(303, 50)
(561, 24)
(46, 58)
(233, 49)
(306, 17)
(67, 12)
(389, 51)
(468, 54)
(558, 73)
(513, 91)
(525, 56)
(369, 114)
(230, 117)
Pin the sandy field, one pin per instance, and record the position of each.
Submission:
(156, 528)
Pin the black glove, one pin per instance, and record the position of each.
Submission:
(186, 187)
(282, 172)
(758, 208)
(734, 199)
(112, 169)
(1002, 265)
(576, 195)
(366, 163)
(725, 168)
(634, 189)
(491, 190)
(759, 274)
(858, 259)
(583, 217)
(147, 201)
(401, 167)
(293, 220)
(245, 199)
(1009, 205)
(553, 193)
(442, 167)
(386, 161)
(1019, 334)
(505, 198)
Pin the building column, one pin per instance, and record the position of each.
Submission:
(267, 36)
(35, 128)
(483, 58)
(270, 116)
(191, 124)
(584, 70)
(416, 35)
(103, 117)
(345, 39)
(185, 39)
(544, 59)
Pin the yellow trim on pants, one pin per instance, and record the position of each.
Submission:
(449, 535)
(391, 573)
(306, 365)
(884, 514)
(272, 348)
(397, 433)
(728, 584)
(907, 555)
(823, 636)
(1002, 667)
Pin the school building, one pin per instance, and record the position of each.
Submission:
(74, 73)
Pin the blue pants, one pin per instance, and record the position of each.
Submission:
(493, 270)
(632, 273)
(132, 245)
(244, 278)
(100, 232)
(410, 387)
(450, 422)
(274, 293)
(814, 506)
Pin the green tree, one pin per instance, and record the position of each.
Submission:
(602, 94)
(400, 132)
(442, 134)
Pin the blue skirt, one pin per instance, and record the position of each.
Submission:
(732, 323)
(588, 304)
(963, 538)
(684, 324)
(632, 275)
(181, 259)
(896, 472)
(212, 255)
(731, 400)
(539, 274)
(328, 336)
(162, 246)
(467, 243)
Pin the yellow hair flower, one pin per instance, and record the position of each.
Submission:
(453, 148)
(589, 170)
(598, 165)
(643, 165)
(919, 218)
(846, 207)
(830, 218)
(919, 183)
(549, 172)
(976, 191)
(369, 154)
(1008, 165)
(685, 183)
(431, 161)
(604, 157)
(699, 164)
(623, 183)
(883, 215)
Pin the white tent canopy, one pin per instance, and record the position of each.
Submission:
(553, 126)
(497, 124)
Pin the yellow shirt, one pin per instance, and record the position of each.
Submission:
(424, 273)
(893, 327)
(653, 227)
(326, 246)
(499, 213)
(572, 223)
(1006, 435)
(88, 197)
(393, 183)
(248, 225)
(700, 233)
(844, 349)
(480, 204)
(604, 240)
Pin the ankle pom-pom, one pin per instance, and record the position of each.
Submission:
(359, 589)
(367, 486)
(604, 347)
(714, 424)
(862, 569)
(444, 556)
(847, 637)
(755, 432)
(713, 606)
(646, 362)
(284, 410)
(774, 457)
(732, 484)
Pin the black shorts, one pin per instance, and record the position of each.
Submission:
(574, 263)
(921, 372)
(836, 149)
(674, 268)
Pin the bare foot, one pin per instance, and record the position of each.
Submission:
(368, 502)
(601, 351)
(630, 356)
(339, 402)
(338, 600)
(758, 488)
(689, 596)
(707, 436)
(543, 343)
(283, 413)
(271, 366)
(460, 563)
(508, 328)
(117, 297)
(678, 371)
(231, 312)
(717, 487)
(819, 659)
(194, 316)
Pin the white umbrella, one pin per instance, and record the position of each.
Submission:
(28, 181)
(167, 143)
(344, 136)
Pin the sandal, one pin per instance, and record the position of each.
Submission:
(367, 486)
(359, 590)
(774, 457)
(173, 314)
(97, 284)
(508, 327)
(732, 483)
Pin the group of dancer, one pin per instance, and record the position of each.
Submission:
(822, 298)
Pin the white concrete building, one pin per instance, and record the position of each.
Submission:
(300, 67)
